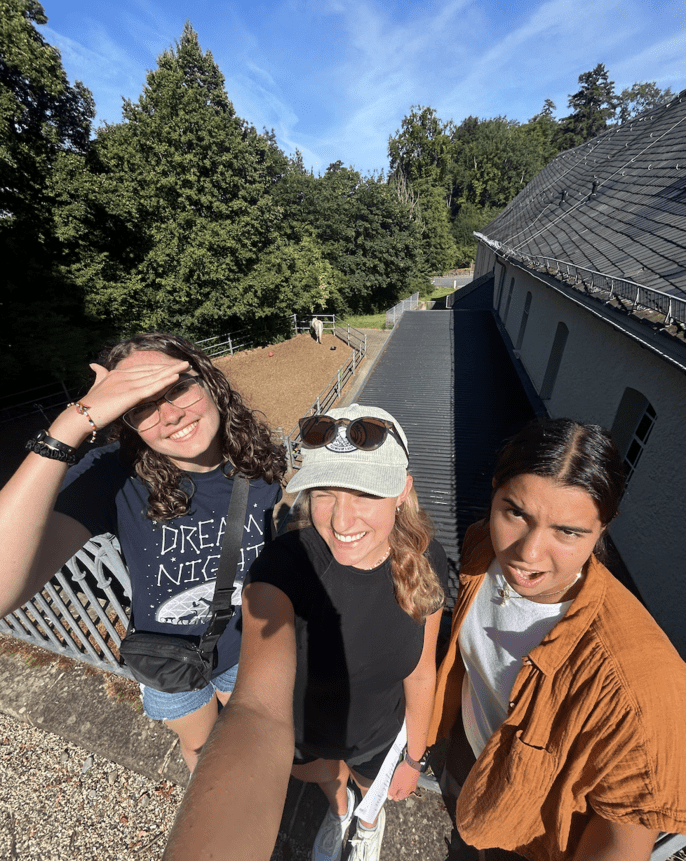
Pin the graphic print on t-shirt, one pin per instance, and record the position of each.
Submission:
(188, 608)
(189, 554)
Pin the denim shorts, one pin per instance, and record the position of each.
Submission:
(160, 706)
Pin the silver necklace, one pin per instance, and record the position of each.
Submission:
(507, 593)
(383, 559)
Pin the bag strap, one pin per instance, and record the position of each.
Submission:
(222, 608)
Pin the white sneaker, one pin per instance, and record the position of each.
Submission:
(367, 844)
(328, 844)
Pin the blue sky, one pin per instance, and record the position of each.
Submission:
(334, 78)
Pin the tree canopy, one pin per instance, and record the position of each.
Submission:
(463, 174)
(594, 108)
(42, 119)
(185, 183)
(184, 217)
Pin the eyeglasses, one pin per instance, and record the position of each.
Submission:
(367, 433)
(183, 394)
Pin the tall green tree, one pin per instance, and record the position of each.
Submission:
(368, 236)
(177, 204)
(42, 325)
(494, 160)
(594, 106)
(544, 132)
(421, 148)
(366, 233)
(421, 156)
(642, 96)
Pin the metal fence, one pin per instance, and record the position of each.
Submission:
(242, 339)
(41, 399)
(231, 342)
(81, 613)
(671, 308)
(304, 323)
(397, 311)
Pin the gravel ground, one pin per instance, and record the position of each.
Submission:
(59, 801)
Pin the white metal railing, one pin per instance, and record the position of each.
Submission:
(231, 342)
(81, 613)
(40, 399)
(304, 323)
(396, 312)
(672, 308)
(352, 337)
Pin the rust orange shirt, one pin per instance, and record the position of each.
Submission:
(595, 723)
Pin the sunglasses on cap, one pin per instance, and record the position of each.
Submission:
(367, 433)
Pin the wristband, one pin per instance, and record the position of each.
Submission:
(82, 410)
(47, 446)
(423, 764)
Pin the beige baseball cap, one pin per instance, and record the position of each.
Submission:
(339, 463)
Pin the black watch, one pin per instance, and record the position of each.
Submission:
(47, 446)
(423, 765)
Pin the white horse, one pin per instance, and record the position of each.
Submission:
(317, 329)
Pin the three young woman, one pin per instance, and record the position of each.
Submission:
(341, 618)
(562, 697)
(163, 488)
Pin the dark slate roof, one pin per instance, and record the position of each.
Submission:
(615, 205)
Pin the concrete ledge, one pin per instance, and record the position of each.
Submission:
(97, 710)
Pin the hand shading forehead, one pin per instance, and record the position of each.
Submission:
(140, 358)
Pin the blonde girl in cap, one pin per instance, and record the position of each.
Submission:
(341, 617)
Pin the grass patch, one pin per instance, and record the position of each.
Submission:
(365, 321)
(440, 292)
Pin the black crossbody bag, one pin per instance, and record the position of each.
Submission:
(175, 664)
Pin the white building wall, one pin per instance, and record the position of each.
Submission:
(598, 363)
(485, 260)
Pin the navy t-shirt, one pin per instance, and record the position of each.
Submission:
(172, 564)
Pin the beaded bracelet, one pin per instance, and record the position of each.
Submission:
(47, 446)
(82, 409)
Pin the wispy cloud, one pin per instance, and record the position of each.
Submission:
(334, 78)
(108, 70)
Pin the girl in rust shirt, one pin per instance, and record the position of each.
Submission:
(560, 694)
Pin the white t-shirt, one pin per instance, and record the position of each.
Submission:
(496, 634)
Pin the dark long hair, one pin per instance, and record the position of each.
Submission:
(575, 455)
(245, 439)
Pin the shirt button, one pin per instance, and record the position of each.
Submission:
(526, 660)
(512, 705)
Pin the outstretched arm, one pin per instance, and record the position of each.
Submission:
(420, 688)
(35, 541)
(603, 840)
(233, 805)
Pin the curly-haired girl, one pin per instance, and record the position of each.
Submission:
(179, 433)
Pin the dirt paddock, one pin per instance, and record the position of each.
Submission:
(283, 380)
